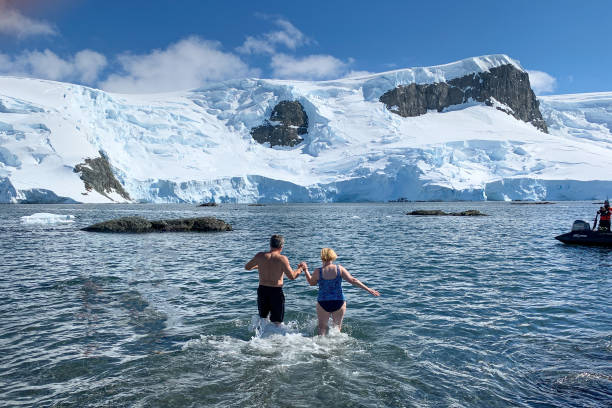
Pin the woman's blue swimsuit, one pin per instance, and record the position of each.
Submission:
(331, 297)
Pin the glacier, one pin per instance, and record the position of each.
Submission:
(196, 146)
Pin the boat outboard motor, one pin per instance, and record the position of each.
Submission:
(580, 225)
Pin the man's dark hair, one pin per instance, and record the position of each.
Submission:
(277, 241)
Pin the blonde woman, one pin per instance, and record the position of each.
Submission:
(330, 300)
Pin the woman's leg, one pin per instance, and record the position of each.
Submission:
(338, 315)
(323, 317)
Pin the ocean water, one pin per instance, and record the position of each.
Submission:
(474, 311)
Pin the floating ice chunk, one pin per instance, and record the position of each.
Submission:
(47, 218)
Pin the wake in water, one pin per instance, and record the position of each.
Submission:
(264, 328)
(293, 341)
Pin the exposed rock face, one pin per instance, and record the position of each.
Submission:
(141, 225)
(98, 175)
(467, 213)
(505, 84)
(291, 122)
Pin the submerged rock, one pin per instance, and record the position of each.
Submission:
(142, 225)
(427, 212)
(467, 213)
(530, 202)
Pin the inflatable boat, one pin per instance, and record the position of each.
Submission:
(581, 234)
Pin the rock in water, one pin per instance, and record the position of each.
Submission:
(467, 213)
(141, 225)
(124, 224)
(201, 224)
(427, 212)
(531, 202)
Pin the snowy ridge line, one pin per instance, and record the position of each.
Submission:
(418, 75)
(196, 146)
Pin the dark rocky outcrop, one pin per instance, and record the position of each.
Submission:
(530, 202)
(506, 84)
(287, 122)
(209, 204)
(141, 225)
(97, 174)
(467, 213)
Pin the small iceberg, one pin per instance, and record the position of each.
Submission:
(47, 219)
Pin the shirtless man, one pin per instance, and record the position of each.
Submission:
(272, 266)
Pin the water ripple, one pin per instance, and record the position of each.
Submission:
(485, 312)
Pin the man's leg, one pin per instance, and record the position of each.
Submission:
(263, 303)
(277, 307)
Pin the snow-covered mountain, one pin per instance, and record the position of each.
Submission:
(469, 130)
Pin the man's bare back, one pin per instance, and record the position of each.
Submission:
(272, 267)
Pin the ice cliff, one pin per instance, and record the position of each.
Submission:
(472, 131)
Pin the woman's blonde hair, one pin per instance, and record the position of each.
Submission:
(328, 254)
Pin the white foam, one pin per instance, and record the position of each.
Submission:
(47, 219)
(288, 344)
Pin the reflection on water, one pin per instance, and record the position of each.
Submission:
(478, 312)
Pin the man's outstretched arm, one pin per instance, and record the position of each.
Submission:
(252, 264)
(291, 274)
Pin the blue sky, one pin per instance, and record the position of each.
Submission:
(152, 46)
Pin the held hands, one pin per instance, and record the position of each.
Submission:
(303, 266)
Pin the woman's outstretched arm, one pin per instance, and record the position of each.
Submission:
(312, 279)
(356, 282)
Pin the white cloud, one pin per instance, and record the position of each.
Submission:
(541, 82)
(309, 67)
(187, 64)
(88, 64)
(254, 45)
(12, 22)
(84, 66)
(357, 74)
(288, 36)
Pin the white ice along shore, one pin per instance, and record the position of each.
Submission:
(61, 142)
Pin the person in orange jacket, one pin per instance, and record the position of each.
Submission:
(604, 217)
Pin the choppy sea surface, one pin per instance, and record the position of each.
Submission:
(474, 311)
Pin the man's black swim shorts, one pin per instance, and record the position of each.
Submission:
(271, 300)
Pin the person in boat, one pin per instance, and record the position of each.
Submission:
(604, 217)
(272, 267)
(331, 300)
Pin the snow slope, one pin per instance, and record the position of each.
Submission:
(195, 145)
